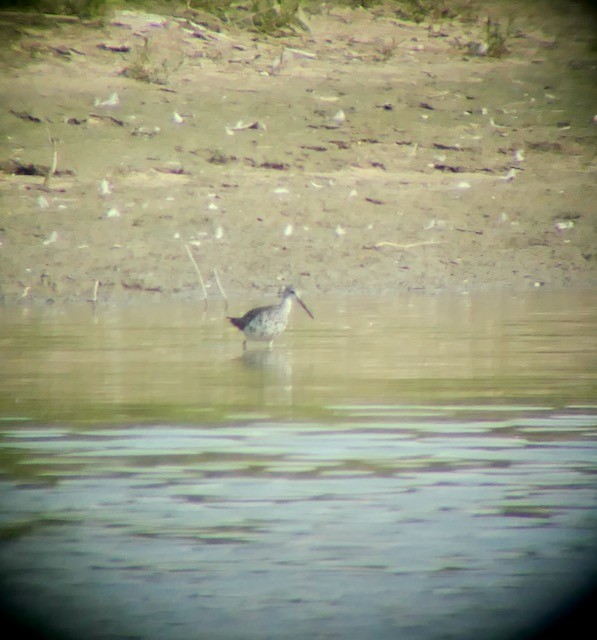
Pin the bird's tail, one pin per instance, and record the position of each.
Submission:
(237, 322)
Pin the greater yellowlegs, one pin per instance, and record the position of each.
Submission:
(265, 324)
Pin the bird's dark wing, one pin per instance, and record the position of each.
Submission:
(242, 322)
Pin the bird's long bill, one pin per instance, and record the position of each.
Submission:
(304, 306)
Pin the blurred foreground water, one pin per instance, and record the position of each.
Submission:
(418, 467)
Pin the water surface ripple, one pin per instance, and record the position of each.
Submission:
(421, 468)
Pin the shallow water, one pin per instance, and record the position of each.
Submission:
(418, 467)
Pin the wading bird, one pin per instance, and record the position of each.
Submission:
(265, 324)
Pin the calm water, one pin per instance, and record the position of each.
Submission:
(421, 467)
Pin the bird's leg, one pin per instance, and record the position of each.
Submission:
(244, 345)
(270, 345)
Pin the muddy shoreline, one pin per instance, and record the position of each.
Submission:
(374, 156)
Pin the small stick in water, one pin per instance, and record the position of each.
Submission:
(217, 279)
(198, 273)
